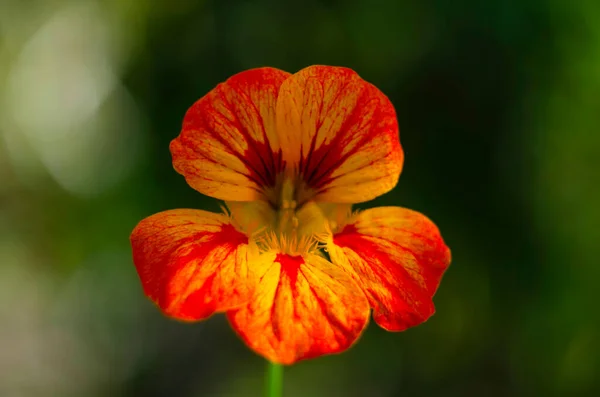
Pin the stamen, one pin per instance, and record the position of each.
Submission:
(298, 225)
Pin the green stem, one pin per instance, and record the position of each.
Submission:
(274, 380)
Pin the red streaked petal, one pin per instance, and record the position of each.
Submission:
(304, 307)
(228, 147)
(399, 257)
(192, 263)
(340, 132)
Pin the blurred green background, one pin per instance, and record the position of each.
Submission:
(499, 110)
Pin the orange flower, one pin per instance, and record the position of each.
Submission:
(294, 269)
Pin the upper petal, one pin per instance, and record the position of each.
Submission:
(192, 263)
(228, 147)
(399, 257)
(340, 133)
(304, 307)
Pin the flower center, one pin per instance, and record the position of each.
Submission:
(288, 223)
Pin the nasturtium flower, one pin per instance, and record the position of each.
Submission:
(295, 270)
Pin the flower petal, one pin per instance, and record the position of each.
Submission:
(341, 134)
(228, 147)
(192, 263)
(304, 307)
(399, 257)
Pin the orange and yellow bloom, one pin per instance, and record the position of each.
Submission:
(296, 272)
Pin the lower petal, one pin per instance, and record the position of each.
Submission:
(399, 257)
(304, 307)
(192, 263)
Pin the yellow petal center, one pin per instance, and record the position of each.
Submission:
(286, 224)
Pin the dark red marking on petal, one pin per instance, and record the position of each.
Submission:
(234, 123)
(192, 263)
(399, 258)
